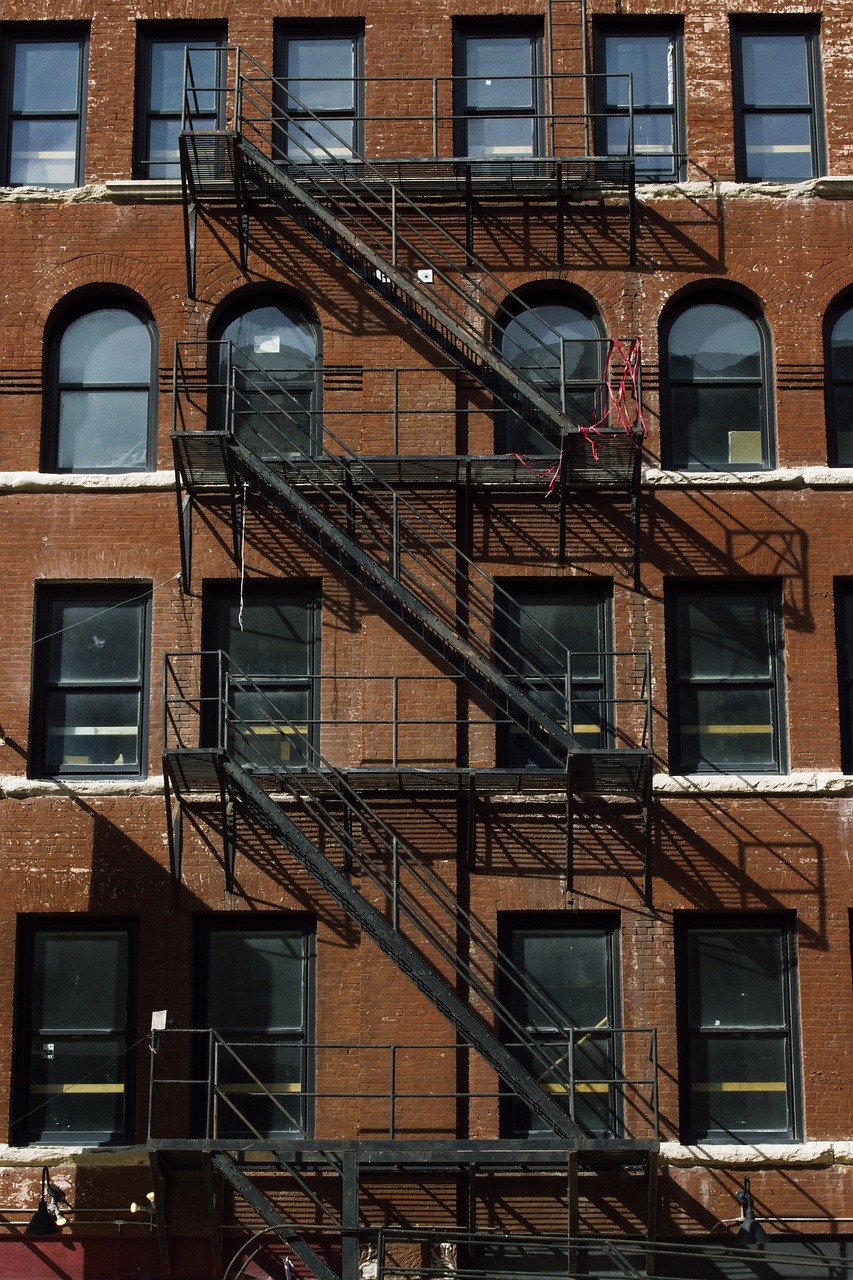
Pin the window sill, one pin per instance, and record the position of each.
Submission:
(839, 186)
(77, 1154)
(776, 478)
(757, 1154)
(805, 782)
(15, 787)
(84, 481)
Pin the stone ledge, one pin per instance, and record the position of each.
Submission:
(777, 478)
(13, 787)
(816, 783)
(820, 1155)
(84, 482)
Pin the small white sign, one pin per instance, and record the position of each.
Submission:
(158, 1020)
(268, 344)
(425, 275)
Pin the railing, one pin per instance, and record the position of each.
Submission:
(429, 110)
(410, 410)
(218, 1088)
(385, 722)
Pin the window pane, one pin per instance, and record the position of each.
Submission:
(736, 978)
(92, 728)
(257, 981)
(710, 341)
(167, 75)
(99, 641)
(102, 429)
(274, 339)
(775, 70)
(532, 342)
(320, 71)
(107, 346)
(726, 636)
(842, 345)
(571, 969)
(46, 76)
(96, 1067)
(500, 136)
(310, 140)
(43, 153)
(717, 428)
(727, 729)
(740, 1084)
(778, 147)
(270, 726)
(488, 61)
(79, 981)
(277, 1108)
(275, 638)
(649, 58)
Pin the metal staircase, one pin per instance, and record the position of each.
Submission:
(372, 226)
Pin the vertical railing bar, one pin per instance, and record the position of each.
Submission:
(435, 118)
(395, 714)
(392, 1085)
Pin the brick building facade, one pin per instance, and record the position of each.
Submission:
(498, 916)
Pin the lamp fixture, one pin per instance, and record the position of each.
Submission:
(140, 1207)
(47, 1219)
(750, 1233)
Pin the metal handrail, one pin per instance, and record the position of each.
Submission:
(397, 1073)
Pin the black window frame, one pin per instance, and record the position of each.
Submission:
(514, 748)
(291, 924)
(323, 28)
(844, 642)
(836, 384)
(676, 597)
(23, 1130)
(677, 458)
(190, 35)
(516, 1120)
(607, 110)
(103, 597)
(692, 1033)
(53, 387)
(814, 109)
(16, 34)
(513, 434)
(465, 29)
(215, 595)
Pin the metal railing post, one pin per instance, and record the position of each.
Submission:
(435, 118)
(395, 720)
(392, 1094)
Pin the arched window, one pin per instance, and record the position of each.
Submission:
(101, 412)
(269, 374)
(560, 349)
(839, 385)
(714, 389)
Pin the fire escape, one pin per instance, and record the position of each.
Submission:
(226, 738)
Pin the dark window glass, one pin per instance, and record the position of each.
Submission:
(570, 970)
(46, 106)
(269, 357)
(90, 681)
(270, 641)
(320, 90)
(777, 104)
(497, 93)
(74, 1065)
(102, 414)
(727, 703)
(716, 390)
(560, 349)
(257, 997)
(740, 1051)
(160, 94)
(839, 386)
(844, 631)
(538, 629)
(652, 58)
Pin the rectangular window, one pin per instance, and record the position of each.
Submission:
(647, 60)
(90, 681)
(256, 993)
(568, 1005)
(726, 692)
(497, 76)
(778, 102)
(740, 1051)
(45, 107)
(269, 642)
(844, 634)
(162, 56)
(537, 629)
(74, 1014)
(320, 85)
